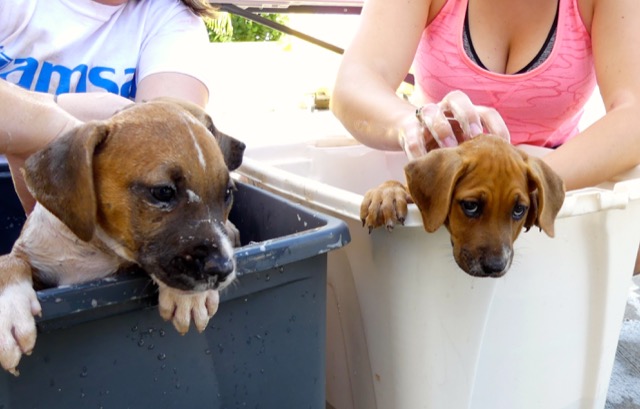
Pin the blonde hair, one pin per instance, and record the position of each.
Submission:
(201, 7)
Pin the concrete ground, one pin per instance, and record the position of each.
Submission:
(624, 387)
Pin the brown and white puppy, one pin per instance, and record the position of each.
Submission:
(484, 191)
(148, 187)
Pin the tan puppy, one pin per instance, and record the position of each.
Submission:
(484, 192)
(149, 187)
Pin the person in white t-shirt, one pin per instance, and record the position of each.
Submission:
(93, 57)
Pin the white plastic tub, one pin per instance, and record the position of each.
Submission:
(408, 329)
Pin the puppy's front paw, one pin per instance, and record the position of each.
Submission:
(180, 307)
(385, 205)
(18, 305)
(233, 233)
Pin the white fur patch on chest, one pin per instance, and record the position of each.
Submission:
(59, 255)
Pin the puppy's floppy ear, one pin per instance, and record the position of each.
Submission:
(232, 149)
(431, 180)
(546, 194)
(60, 177)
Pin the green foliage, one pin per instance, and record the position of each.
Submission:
(220, 28)
(229, 27)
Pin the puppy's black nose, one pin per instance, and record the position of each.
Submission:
(204, 261)
(218, 265)
(494, 265)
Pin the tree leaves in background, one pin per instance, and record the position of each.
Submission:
(220, 28)
(229, 27)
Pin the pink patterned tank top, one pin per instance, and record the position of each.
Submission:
(542, 106)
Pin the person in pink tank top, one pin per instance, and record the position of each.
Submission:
(541, 103)
(520, 69)
(517, 68)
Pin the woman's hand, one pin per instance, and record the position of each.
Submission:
(448, 123)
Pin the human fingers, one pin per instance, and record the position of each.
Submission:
(459, 105)
(493, 122)
(411, 138)
(435, 122)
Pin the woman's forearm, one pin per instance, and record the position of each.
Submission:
(93, 105)
(102, 105)
(29, 120)
(373, 114)
(607, 148)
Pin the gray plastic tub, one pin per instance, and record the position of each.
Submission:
(103, 344)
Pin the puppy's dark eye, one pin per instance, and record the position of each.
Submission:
(164, 193)
(519, 210)
(471, 208)
(228, 194)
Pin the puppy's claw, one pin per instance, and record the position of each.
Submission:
(166, 311)
(200, 323)
(385, 205)
(182, 319)
(180, 326)
(212, 302)
(11, 359)
(200, 319)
